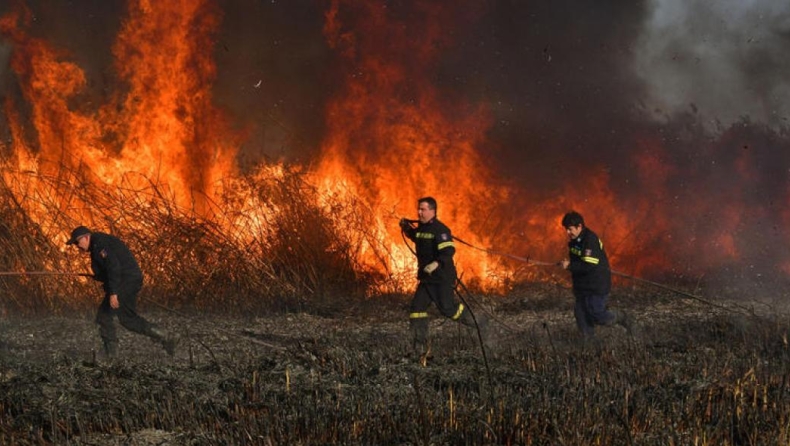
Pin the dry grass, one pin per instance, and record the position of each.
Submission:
(696, 374)
(692, 377)
(235, 261)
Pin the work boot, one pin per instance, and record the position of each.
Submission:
(467, 319)
(110, 348)
(480, 319)
(163, 338)
(625, 320)
(591, 342)
(420, 346)
(482, 325)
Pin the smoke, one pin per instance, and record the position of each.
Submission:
(723, 60)
(274, 76)
(5, 53)
(677, 109)
(5, 80)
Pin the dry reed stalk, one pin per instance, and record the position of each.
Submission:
(294, 257)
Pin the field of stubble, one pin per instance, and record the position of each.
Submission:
(692, 374)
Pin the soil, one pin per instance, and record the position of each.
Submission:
(347, 375)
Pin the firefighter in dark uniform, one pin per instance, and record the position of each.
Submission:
(591, 276)
(436, 274)
(115, 266)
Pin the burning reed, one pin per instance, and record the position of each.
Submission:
(265, 243)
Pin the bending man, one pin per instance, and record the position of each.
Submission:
(115, 266)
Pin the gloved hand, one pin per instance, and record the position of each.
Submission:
(404, 224)
(431, 267)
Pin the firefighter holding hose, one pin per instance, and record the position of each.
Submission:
(592, 278)
(114, 265)
(436, 275)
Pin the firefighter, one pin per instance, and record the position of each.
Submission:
(591, 276)
(436, 275)
(115, 266)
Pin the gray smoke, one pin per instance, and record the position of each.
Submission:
(723, 59)
(5, 55)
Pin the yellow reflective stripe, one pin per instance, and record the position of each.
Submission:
(458, 313)
(592, 260)
(426, 235)
(417, 315)
(576, 251)
(446, 245)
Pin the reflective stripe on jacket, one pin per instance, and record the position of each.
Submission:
(434, 241)
(589, 265)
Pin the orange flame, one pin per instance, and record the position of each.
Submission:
(163, 127)
(393, 135)
(393, 139)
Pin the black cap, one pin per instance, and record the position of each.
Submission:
(572, 218)
(78, 232)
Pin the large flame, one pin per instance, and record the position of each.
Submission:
(393, 139)
(161, 125)
(393, 134)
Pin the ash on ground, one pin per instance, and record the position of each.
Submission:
(348, 376)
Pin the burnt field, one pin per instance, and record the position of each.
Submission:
(692, 374)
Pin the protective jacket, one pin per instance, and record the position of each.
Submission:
(433, 241)
(112, 263)
(589, 265)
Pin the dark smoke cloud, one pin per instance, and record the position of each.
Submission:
(582, 87)
(82, 31)
(724, 60)
(557, 76)
(274, 76)
(5, 53)
(563, 78)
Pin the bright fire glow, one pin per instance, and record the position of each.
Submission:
(392, 136)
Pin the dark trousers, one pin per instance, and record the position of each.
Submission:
(590, 310)
(126, 312)
(442, 294)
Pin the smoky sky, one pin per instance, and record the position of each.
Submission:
(562, 77)
(557, 77)
(724, 59)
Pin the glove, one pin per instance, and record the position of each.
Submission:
(431, 267)
(404, 224)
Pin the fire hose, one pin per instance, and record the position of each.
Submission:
(531, 261)
(158, 304)
(614, 272)
(43, 273)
